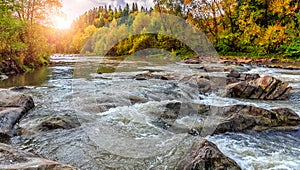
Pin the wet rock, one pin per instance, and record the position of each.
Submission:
(11, 159)
(12, 107)
(147, 76)
(103, 107)
(206, 155)
(241, 117)
(203, 84)
(235, 76)
(205, 120)
(194, 80)
(49, 123)
(19, 88)
(267, 88)
(192, 60)
(213, 69)
(171, 111)
(58, 122)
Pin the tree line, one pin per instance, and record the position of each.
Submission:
(254, 27)
(23, 24)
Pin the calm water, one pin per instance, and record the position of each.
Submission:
(125, 136)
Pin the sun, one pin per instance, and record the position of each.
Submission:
(62, 23)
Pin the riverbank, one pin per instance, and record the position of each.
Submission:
(11, 67)
(269, 61)
(262, 62)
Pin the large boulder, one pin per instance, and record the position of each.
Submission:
(11, 159)
(205, 155)
(241, 117)
(207, 120)
(12, 107)
(267, 88)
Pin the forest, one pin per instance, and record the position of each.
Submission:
(255, 28)
(23, 25)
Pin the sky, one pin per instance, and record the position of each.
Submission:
(74, 8)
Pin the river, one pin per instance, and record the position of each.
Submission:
(117, 115)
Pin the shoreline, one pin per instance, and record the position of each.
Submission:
(263, 62)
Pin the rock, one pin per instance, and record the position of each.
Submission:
(147, 76)
(203, 84)
(241, 117)
(172, 110)
(192, 60)
(11, 159)
(19, 88)
(12, 107)
(49, 123)
(208, 120)
(205, 155)
(271, 63)
(213, 69)
(267, 88)
(244, 61)
(235, 76)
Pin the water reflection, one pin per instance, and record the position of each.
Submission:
(33, 78)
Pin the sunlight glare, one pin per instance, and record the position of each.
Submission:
(62, 23)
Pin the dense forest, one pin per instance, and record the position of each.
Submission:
(23, 27)
(252, 27)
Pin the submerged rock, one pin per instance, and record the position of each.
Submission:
(11, 159)
(19, 88)
(206, 155)
(49, 123)
(267, 88)
(12, 107)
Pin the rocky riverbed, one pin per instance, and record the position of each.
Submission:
(141, 115)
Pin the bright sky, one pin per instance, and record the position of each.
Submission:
(74, 8)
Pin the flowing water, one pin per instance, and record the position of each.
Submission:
(118, 116)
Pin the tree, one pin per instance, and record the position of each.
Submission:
(23, 24)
